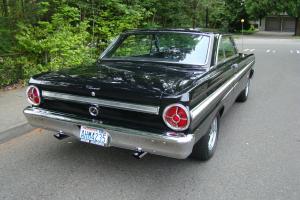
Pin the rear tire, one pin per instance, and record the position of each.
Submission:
(206, 146)
(245, 93)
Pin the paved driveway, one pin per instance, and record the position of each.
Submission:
(258, 155)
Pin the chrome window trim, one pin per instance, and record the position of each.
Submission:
(110, 46)
(226, 60)
(208, 50)
(217, 54)
(101, 102)
(229, 58)
(197, 110)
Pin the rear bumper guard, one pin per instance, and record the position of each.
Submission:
(179, 147)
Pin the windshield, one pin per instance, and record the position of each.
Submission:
(162, 47)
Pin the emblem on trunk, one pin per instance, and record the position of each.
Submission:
(92, 88)
(93, 94)
(94, 111)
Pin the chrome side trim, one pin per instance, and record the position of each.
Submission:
(197, 110)
(228, 93)
(101, 102)
(179, 146)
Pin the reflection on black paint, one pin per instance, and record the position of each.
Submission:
(150, 79)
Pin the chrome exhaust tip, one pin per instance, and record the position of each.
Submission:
(60, 135)
(139, 153)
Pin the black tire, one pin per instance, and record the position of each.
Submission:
(243, 96)
(203, 149)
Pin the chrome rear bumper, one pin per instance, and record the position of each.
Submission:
(176, 147)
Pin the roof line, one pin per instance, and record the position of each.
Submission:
(169, 30)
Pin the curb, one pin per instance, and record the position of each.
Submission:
(15, 132)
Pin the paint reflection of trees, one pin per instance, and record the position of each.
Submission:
(172, 47)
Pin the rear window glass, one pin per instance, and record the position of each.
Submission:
(168, 47)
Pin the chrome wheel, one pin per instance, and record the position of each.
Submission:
(213, 134)
(205, 148)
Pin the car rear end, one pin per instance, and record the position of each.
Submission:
(161, 130)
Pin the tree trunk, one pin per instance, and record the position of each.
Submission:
(206, 17)
(5, 8)
(23, 7)
(194, 4)
(297, 27)
(260, 18)
(153, 18)
(194, 22)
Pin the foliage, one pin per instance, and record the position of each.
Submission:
(49, 45)
(60, 42)
(117, 18)
(258, 9)
(293, 9)
(6, 35)
(54, 34)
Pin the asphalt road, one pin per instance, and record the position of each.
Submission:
(258, 155)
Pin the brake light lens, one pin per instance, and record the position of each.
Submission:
(33, 95)
(176, 117)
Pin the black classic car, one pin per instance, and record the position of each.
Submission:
(156, 91)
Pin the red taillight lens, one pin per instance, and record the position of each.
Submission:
(33, 95)
(176, 116)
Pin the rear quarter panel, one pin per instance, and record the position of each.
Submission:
(215, 78)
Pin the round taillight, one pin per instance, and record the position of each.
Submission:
(176, 117)
(33, 95)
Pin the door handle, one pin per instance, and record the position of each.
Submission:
(234, 66)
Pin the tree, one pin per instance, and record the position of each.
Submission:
(51, 34)
(227, 15)
(257, 9)
(5, 8)
(293, 9)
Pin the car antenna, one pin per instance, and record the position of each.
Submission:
(242, 21)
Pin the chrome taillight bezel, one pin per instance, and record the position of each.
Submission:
(38, 94)
(186, 110)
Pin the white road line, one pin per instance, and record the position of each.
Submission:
(291, 51)
(246, 49)
(268, 51)
(274, 51)
(252, 50)
(298, 51)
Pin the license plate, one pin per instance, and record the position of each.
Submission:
(93, 136)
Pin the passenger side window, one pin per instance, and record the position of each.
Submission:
(226, 49)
